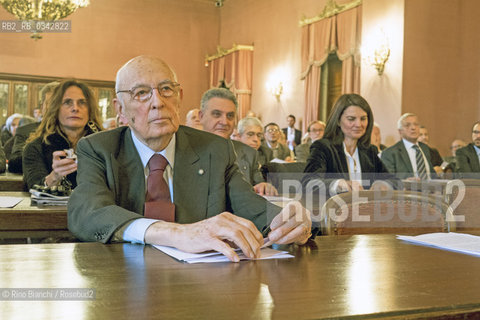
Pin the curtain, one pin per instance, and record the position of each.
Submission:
(235, 69)
(217, 68)
(340, 33)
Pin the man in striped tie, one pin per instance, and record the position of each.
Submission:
(408, 158)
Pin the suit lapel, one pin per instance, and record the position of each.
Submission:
(131, 173)
(402, 151)
(474, 157)
(426, 151)
(190, 180)
(243, 161)
(365, 163)
(341, 160)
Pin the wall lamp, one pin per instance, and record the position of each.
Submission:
(275, 89)
(376, 50)
(380, 58)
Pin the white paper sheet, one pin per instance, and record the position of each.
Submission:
(9, 202)
(277, 199)
(209, 257)
(458, 242)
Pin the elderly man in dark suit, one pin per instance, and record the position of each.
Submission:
(250, 132)
(468, 157)
(218, 111)
(408, 158)
(156, 182)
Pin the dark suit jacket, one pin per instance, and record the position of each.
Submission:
(298, 135)
(302, 152)
(247, 160)
(2, 159)
(467, 161)
(38, 159)
(327, 162)
(397, 161)
(435, 157)
(21, 136)
(111, 183)
(282, 151)
(265, 155)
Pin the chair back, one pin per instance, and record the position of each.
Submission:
(385, 212)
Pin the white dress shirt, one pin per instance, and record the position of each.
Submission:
(354, 167)
(477, 149)
(412, 154)
(290, 137)
(135, 232)
(354, 171)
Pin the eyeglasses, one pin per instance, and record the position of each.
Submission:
(316, 130)
(144, 93)
(475, 132)
(272, 130)
(251, 134)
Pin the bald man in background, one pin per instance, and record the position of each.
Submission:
(193, 119)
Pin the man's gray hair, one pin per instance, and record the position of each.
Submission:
(403, 117)
(248, 122)
(315, 122)
(217, 93)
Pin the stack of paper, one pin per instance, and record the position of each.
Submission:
(208, 257)
(458, 242)
(47, 199)
(9, 202)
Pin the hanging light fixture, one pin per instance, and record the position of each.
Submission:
(42, 10)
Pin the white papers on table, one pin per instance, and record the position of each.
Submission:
(9, 202)
(276, 160)
(209, 257)
(458, 242)
(47, 199)
(277, 199)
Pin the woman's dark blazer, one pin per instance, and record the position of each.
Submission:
(38, 159)
(327, 161)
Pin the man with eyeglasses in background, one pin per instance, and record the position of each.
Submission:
(468, 157)
(409, 158)
(250, 132)
(272, 136)
(121, 170)
(218, 111)
(315, 130)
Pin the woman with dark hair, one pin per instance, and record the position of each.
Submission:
(48, 158)
(344, 158)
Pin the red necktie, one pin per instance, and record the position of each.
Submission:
(158, 204)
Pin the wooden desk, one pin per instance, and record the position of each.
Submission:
(356, 277)
(12, 182)
(27, 221)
